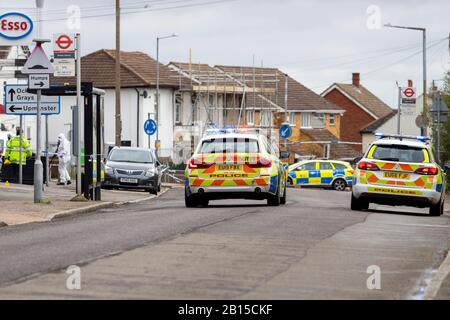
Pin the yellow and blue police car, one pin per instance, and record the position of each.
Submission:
(399, 170)
(234, 164)
(321, 173)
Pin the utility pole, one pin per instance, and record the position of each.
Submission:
(79, 106)
(117, 73)
(285, 105)
(157, 86)
(399, 105)
(424, 62)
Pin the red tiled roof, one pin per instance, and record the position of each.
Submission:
(366, 98)
(299, 97)
(137, 69)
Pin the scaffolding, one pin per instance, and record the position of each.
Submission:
(229, 96)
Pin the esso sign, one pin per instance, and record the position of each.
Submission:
(15, 25)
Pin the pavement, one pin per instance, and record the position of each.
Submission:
(314, 247)
(18, 207)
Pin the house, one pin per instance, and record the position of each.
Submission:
(386, 124)
(255, 97)
(361, 107)
(138, 92)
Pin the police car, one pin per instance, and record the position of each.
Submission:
(234, 163)
(399, 170)
(321, 173)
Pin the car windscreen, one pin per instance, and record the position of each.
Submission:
(229, 145)
(135, 156)
(399, 153)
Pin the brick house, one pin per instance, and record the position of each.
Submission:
(361, 107)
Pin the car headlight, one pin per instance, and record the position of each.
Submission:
(150, 172)
(109, 170)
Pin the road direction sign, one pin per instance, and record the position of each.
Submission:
(285, 130)
(18, 101)
(39, 81)
(150, 127)
(38, 62)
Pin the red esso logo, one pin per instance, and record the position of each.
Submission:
(15, 25)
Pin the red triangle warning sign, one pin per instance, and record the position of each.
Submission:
(38, 62)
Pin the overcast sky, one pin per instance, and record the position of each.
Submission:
(316, 42)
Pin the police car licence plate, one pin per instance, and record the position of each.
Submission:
(128, 180)
(229, 167)
(397, 175)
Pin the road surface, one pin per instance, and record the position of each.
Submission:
(314, 247)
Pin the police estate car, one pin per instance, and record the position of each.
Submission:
(321, 173)
(234, 163)
(399, 170)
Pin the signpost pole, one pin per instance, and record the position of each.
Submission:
(398, 109)
(47, 165)
(438, 138)
(20, 149)
(285, 105)
(38, 169)
(79, 105)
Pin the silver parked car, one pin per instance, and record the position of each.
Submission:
(132, 168)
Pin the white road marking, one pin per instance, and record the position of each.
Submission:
(436, 282)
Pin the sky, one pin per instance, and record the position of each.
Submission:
(316, 42)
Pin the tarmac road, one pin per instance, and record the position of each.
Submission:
(314, 247)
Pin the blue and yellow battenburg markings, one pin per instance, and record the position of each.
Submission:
(323, 177)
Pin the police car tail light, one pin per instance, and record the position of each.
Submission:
(429, 171)
(198, 164)
(366, 165)
(260, 163)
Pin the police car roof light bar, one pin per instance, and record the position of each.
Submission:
(229, 130)
(381, 135)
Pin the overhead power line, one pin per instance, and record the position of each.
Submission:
(198, 4)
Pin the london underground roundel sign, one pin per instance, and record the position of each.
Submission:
(15, 25)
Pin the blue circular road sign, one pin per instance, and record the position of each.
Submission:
(285, 130)
(150, 127)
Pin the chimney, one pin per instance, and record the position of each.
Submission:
(410, 83)
(355, 79)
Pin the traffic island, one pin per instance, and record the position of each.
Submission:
(18, 206)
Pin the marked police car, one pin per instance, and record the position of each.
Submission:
(234, 163)
(321, 173)
(399, 170)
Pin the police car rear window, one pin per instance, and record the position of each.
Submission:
(229, 145)
(339, 166)
(398, 153)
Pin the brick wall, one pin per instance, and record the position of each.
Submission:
(354, 118)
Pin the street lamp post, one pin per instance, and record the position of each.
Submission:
(173, 35)
(424, 56)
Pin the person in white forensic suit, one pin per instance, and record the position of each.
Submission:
(63, 152)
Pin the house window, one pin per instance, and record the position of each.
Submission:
(178, 102)
(251, 117)
(318, 120)
(292, 118)
(332, 120)
(306, 120)
(265, 118)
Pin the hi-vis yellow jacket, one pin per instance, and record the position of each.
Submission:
(12, 152)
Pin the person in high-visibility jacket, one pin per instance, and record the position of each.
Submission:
(12, 151)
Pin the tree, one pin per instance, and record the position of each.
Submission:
(445, 127)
